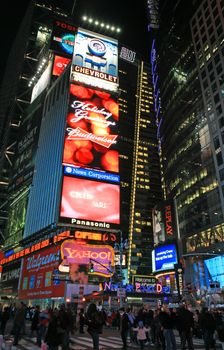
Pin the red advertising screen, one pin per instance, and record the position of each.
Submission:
(91, 133)
(38, 273)
(60, 63)
(90, 203)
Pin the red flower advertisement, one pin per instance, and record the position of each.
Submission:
(91, 133)
(36, 280)
(90, 200)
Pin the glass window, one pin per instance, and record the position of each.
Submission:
(219, 158)
(221, 122)
(217, 59)
(212, 76)
(219, 69)
(203, 74)
(219, 110)
(216, 142)
(222, 135)
(216, 98)
(210, 67)
(214, 87)
(221, 174)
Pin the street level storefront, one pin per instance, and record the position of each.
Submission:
(10, 280)
(36, 282)
(113, 296)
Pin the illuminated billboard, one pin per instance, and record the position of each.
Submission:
(60, 63)
(42, 83)
(37, 275)
(74, 255)
(95, 60)
(90, 203)
(91, 132)
(63, 38)
(164, 257)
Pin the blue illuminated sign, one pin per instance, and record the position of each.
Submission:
(91, 174)
(67, 43)
(164, 257)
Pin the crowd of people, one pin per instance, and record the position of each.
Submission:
(141, 326)
(158, 327)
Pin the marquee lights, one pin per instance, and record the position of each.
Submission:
(101, 24)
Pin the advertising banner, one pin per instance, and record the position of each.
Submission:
(42, 83)
(59, 65)
(63, 38)
(164, 257)
(36, 279)
(95, 60)
(90, 203)
(75, 254)
(26, 149)
(92, 130)
(158, 227)
(10, 279)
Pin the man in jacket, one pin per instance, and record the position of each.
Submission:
(124, 326)
(167, 324)
(185, 325)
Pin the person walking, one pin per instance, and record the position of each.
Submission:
(81, 321)
(4, 319)
(166, 321)
(44, 318)
(18, 323)
(185, 325)
(35, 320)
(124, 326)
(95, 321)
(141, 334)
(53, 337)
(208, 326)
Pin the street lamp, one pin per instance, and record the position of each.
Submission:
(119, 247)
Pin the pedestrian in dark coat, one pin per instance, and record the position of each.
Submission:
(19, 321)
(208, 326)
(95, 321)
(4, 319)
(124, 326)
(35, 320)
(185, 325)
(53, 337)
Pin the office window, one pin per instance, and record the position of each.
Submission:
(219, 158)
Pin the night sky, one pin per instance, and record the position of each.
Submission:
(130, 18)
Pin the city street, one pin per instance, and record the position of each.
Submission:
(110, 339)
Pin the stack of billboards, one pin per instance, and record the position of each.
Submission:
(90, 190)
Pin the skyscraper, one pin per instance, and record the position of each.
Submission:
(190, 45)
(36, 176)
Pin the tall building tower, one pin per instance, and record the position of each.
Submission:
(191, 74)
(37, 182)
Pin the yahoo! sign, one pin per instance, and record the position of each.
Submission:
(102, 256)
(139, 288)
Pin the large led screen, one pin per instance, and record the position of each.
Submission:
(164, 257)
(63, 38)
(90, 203)
(60, 63)
(95, 60)
(215, 268)
(91, 133)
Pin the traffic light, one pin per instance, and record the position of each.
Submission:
(91, 267)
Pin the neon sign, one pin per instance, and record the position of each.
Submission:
(74, 253)
(138, 288)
